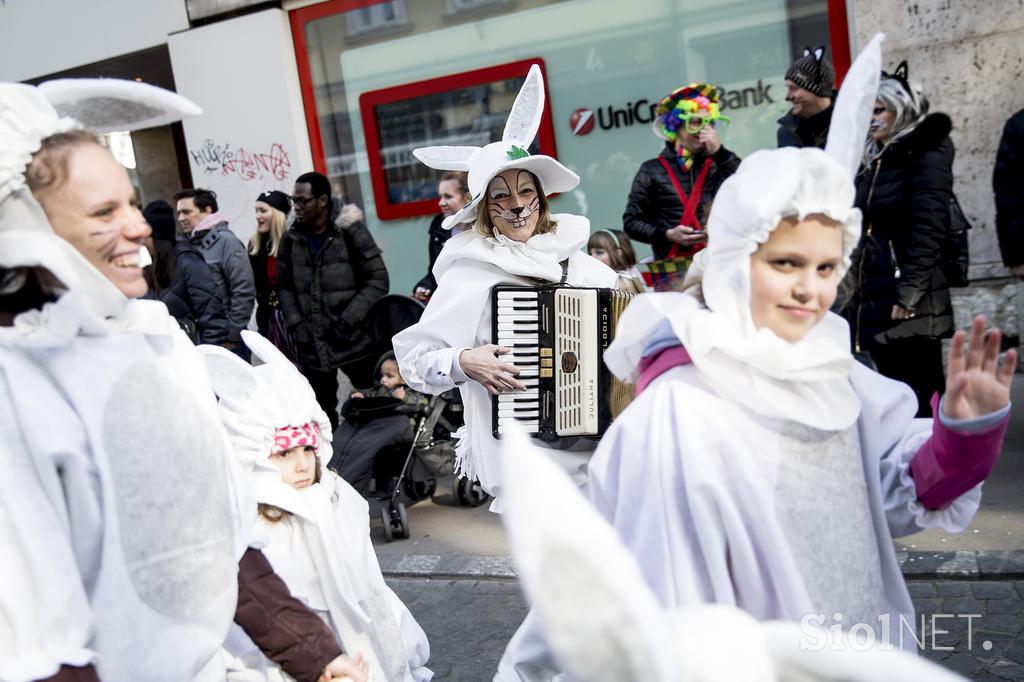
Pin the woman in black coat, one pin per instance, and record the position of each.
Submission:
(182, 280)
(900, 309)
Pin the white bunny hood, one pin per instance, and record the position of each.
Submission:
(483, 163)
(605, 624)
(256, 401)
(28, 115)
(806, 381)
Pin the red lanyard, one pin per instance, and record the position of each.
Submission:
(689, 204)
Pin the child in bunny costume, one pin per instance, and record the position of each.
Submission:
(313, 526)
(760, 466)
(514, 241)
(605, 624)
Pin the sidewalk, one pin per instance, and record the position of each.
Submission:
(458, 542)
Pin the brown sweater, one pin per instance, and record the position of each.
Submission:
(284, 629)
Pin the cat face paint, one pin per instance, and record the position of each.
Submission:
(513, 204)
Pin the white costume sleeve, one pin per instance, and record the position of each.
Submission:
(45, 616)
(892, 436)
(428, 351)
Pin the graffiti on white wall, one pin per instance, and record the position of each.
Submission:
(238, 175)
(222, 159)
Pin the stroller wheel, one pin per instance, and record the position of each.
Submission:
(469, 493)
(475, 494)
(385, 522)
(403, 521)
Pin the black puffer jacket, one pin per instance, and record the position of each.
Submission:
(654, 207)
(437, 236)
(325, 298)
(1008, 183)
(193, 296)
(804, 132)
(905, 196)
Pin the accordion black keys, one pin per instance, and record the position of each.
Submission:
(557, 335)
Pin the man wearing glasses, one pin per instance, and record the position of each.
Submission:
(329, 273)
(672, 194)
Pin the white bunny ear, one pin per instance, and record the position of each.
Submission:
(852, 113)
(232, 377)
(596, 611)
(524, 119)
(267, 352)
(446, 158)
(104, 105)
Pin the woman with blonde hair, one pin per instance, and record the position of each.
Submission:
(272, 208)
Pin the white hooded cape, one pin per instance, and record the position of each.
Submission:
(321, 548)
(122, 516)
(459, 317)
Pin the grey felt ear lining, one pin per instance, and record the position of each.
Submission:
(108, 113)
(232, 377)
(105, 105)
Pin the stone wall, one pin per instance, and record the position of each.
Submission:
(969, 56)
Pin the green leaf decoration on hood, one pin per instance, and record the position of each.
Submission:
(516, 152)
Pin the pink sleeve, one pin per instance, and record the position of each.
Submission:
(952, 462)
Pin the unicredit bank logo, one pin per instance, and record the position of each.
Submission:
(581, 122)
(641, 112)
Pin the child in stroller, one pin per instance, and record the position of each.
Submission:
(375, 419)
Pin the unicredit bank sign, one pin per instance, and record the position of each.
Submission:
(584, 120)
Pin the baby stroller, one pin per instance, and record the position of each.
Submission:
(380, 453)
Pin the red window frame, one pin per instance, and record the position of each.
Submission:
(838, 25)
(368, 101)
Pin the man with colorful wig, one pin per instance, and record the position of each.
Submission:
(672, 193)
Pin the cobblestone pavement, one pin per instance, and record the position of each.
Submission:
(978, 626)
(470, 621)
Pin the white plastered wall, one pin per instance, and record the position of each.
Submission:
(39, 37)
(252, 134)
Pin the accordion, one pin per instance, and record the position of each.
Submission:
(557, 336)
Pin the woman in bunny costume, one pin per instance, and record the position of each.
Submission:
(313, 526)
(123, 517)
(760, 466)
(515, 241)
(108, 571)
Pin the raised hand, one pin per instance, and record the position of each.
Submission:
(482, 364)
(975, 385)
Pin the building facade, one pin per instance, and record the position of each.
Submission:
(350, 87)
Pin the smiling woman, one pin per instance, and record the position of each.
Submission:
(515, 206)
(88, 200)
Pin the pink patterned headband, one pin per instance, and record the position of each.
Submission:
(296, 436)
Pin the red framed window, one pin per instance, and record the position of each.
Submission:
(467, 109)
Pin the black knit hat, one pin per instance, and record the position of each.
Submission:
(160, 217)
(813, 72)
(276, 199)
